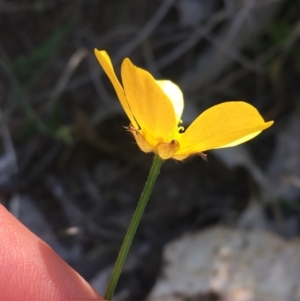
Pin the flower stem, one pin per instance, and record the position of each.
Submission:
(154, 171)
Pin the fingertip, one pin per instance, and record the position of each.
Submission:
(32, 271)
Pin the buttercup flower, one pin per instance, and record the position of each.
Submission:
(154, 108)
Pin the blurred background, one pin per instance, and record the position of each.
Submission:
(72, 174)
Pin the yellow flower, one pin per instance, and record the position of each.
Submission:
(154, 108)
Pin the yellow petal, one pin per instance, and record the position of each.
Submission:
(175, 95)
(242, 140)
(108, 68)
(150, 106)
(224, 125)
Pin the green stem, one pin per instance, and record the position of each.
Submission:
(154, 171)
